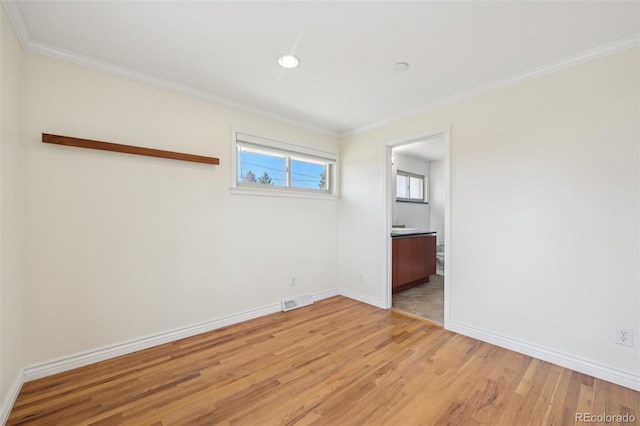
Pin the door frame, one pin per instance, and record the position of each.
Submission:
(443, 132)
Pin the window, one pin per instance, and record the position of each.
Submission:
(409, 187)
(264, 164)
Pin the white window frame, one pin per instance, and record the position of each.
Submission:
(410, 175)
(291, 151)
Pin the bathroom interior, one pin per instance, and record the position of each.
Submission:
(417, 231)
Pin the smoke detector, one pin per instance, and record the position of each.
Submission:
(399, 67)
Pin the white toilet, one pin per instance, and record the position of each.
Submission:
(440, 260)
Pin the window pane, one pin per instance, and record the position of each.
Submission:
(401, 187)
(261, 168)
(305, 174)
(415, 188)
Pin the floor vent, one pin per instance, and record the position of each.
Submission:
(295, 303)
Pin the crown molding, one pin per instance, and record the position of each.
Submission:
(15, 17)
(568, 62)
(140, 77)
(28, 43)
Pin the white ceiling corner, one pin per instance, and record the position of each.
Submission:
(580, 58)
(429, 149)
(28, 43)
(15, 17)
(226, 52)
(97, 64)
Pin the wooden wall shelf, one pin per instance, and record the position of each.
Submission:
(128, 149)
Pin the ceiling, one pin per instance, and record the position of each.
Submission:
(428, 150)
(228, 50)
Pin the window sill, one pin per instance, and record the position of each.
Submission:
(411, 201)
(277, 193)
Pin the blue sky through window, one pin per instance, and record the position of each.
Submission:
(306, 175)
(252, 167)
(258, 164)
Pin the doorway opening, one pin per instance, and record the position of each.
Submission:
(417, 225)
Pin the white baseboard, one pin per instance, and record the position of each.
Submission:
(10, 398)
(326, 294)
(619, 377)
(107, 352)
(81, 359)
(70, 362)
(350, 294)
(362, 298)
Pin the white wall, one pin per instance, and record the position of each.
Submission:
(437, 199)
(119, 247)
(122, 246)
(11, 209)
(412, 215)
(544, 209)
(363, 232)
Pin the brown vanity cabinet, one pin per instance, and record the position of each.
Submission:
(413, 260)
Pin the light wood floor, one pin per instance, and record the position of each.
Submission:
(337, 362)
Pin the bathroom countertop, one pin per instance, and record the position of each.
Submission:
(418, 232)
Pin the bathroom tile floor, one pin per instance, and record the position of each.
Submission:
(424, 301)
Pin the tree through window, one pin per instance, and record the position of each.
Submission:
(272, 167)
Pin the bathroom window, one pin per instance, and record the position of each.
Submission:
(266, 165)
(410, 187)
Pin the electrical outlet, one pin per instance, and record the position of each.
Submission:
(293, 281)
(361, 279)
(624, 336)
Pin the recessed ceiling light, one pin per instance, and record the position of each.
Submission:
(399, 67)
(288, 61)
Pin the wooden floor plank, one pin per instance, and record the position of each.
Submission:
(337, 361)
